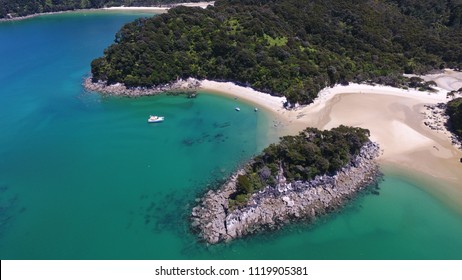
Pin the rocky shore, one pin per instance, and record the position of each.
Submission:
(188, 85)
(277, 205)
(436, 119)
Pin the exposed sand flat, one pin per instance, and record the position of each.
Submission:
(408, 145)
(394, 118)
(315, 114)
(449, 80)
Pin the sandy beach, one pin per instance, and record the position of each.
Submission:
(160, 9)
(393, 116)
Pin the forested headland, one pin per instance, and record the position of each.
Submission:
(21, 8)
(292, 48)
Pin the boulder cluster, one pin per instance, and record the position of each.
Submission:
(120, 89)
(436, 119)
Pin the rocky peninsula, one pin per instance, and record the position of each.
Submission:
(286, 201)
(188, 85)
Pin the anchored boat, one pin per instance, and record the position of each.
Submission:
(155, 119)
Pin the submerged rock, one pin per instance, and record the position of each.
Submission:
(273, 207)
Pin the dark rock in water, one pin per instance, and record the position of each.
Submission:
(275, 206)
(375, 192)
(187, 142)
(218, 135)
(222, 125)
(192, 94)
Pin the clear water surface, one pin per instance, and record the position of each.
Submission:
(83, 176)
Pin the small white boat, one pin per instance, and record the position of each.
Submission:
(256, 109)
(155, 119)
(237, 109)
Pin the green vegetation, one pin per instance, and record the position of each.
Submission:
(16, 8)
(279, 42)
(288, 47)
(302, 157)
(433, 12)
(454, 111)
(418, 83)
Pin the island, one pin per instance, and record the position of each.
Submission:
(300, 178)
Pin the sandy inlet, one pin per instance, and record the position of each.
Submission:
(393, 116)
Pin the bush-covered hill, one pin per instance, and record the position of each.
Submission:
(313, 152)
(454, 111)
(433, 12)
(27, 7)
(287, 47)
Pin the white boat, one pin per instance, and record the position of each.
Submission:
(237, 109)
(256, 109)
(155, 119)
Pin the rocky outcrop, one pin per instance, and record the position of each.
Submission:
(277, 205)
(120, 89)
(436, 119)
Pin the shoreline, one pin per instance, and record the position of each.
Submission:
(409, 146)
(119, 89)
(276, 205)
(394, 116)
(46, 14)
(396, 119)
(161, 8)
(152, 9)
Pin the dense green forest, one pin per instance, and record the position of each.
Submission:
(433, 12)
(454, 111)
(302, 157)
(288, 47)
(27, 7)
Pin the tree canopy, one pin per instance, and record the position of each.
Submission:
(301, 158)
(292, 48)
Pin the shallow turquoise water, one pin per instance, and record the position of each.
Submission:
(85, 177)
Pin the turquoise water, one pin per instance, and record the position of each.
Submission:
(84, 176)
